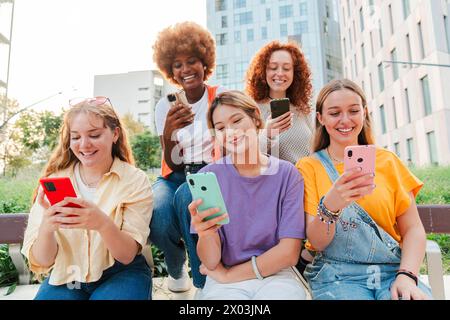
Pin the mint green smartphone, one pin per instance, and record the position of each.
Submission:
(205, 186)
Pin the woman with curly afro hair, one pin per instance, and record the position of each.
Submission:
(185, 54)
(280, 70)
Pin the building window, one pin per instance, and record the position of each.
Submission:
(432, 148)
(250, 35)
(268, 14)
(221, 5)
(380, 33)
(372, 7)
(356, 66)
(224, 22)
(344, 44)
(410, 150)
(426, 95)
(372, 47)
(397, 148)
(394, 113)
(391, 19)
(303, 9)
(422, 46)
(371, 85)
(363, 54)
(447, 33)
(241, 67)
(381, 77)
(144, 89)
(222, 71)
(408, 49)
(286, 11)
(408, 107)
(143, 101)
(264, 33)
(383, 120)
(394, 64)
(243, 18)
(221, 39)
(300, 27)
(283, 30)
(406, 9)
(361, 19)
(237, 37)
(239, 4)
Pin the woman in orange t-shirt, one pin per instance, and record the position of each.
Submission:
(366, 235)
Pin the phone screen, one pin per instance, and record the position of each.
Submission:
(278, 107)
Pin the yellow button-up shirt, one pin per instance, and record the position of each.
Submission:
(125, 195)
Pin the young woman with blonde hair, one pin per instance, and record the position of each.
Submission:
(366, 237)
(92, 252)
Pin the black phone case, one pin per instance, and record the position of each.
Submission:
(279, 107)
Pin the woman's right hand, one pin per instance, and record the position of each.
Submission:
(278, 125)
(179, 116)
(205, 228)
(348, 188)
(49, 220)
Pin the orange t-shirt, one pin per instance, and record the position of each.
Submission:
(389, 200)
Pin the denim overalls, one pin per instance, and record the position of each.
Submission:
(361, 261)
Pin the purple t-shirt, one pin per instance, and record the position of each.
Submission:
(262, 209)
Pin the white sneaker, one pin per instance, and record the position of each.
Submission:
(182, 284)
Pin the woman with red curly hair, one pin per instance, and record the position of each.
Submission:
(185, 54)
(279, 70)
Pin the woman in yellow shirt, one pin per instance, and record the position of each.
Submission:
(92, 252)
(368, 240)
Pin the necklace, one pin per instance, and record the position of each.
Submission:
(89, 185)
(335, 160)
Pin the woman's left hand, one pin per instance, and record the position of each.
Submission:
(404, 288)
(219, 274)
(88, 217)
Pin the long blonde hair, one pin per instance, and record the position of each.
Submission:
(63, 157)
(321, 136)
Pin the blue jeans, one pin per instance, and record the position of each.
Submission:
(171, 222)
(183, 198)
(119, 282)
(331, 280)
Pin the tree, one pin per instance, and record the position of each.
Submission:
(132, 126)
(39, 130)
(146, 150)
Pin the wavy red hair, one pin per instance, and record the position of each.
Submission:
(300, 91)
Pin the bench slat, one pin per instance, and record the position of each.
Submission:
(12, 227)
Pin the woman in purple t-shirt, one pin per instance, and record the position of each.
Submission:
(251, 257)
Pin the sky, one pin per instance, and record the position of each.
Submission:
(59, 45)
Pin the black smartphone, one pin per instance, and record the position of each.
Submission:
(278, 107)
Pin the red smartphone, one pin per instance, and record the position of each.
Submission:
(56, 189)
(360, 156)
(278, 107)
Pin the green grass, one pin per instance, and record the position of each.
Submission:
(15, 196)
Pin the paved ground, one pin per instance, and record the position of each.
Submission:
(160, 291)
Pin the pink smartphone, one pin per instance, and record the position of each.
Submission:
(360, 156)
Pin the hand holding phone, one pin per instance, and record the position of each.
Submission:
(281, 117)
(58, 188)
(361, 156)
(206, 187)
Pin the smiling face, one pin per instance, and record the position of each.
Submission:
(188, 71)
(90, 140)
(343, 117)
(280, 72)
(235, 130)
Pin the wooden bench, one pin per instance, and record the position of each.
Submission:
(435, 218)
